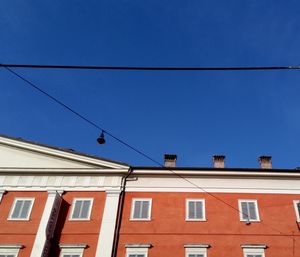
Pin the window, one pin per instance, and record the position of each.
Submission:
(81, 209)
(297, 209)
(9, 250)
(21, 209)
(254, 250)
(195, 210)
(137, 250)
(141, 209)
(196, 250)
(72, 250)
(248, 210)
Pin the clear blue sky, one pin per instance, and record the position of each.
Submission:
(193, 114)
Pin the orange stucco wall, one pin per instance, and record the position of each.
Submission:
(21, 232)
(168, 231)
(79, 232)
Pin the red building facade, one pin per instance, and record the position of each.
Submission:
(59, 203)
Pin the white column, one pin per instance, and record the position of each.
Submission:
(107, 231)
(46, 226)
(1, 194)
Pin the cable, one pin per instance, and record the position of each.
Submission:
(148, 68)
(79, 115)
(126, 144)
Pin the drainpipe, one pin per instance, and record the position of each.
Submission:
(120, 212)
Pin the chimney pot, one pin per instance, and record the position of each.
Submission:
(170, 160)
(265, 162)
(219, 161)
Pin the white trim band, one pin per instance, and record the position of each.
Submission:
(196, 245)
(138, 245)
(254, 246)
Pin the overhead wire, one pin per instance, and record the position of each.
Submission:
(34, 86)
(148, 68)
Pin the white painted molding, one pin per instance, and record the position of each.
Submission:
(10, 249)
(254, 246)
(63, 171)
(47, 225)
(113, 192)
(2, 192)
(138, 245)
(63, 246)
(196, 246)
(42, 182)
(108, 224)
(54, 192)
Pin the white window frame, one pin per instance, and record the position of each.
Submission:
(296, 209)
(89, 212)
(256, 210)
(187, 209)
(196, 249)
(133, 206)
(10, 249)
(254, 249)
(70, 249)
(137, 249)
(32, 199)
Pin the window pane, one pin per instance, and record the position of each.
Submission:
(252, 211)
(85, 209)
(145, 209)
(17, 209)
(244, 210)
(191, 210)
(77, 209)
(25, 209)
(137, 209)
(199, 211)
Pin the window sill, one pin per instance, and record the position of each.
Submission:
(140, 219)
(195, 220)
(12, 219)
(79, 219)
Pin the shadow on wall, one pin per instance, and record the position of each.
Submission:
(62, 217)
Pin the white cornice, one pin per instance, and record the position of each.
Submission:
(64, 171)
(60, 154)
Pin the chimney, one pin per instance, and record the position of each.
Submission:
(219, 161)
(170, 160)
(265, 162)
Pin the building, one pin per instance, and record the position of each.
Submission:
(56, 202)
(211, 212)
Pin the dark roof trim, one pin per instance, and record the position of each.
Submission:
(215, 169)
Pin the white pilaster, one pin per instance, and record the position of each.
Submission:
(1, 194)
(107, 231)
(47, 225)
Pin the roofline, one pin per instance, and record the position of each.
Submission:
(296, 170)
(67, 151)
